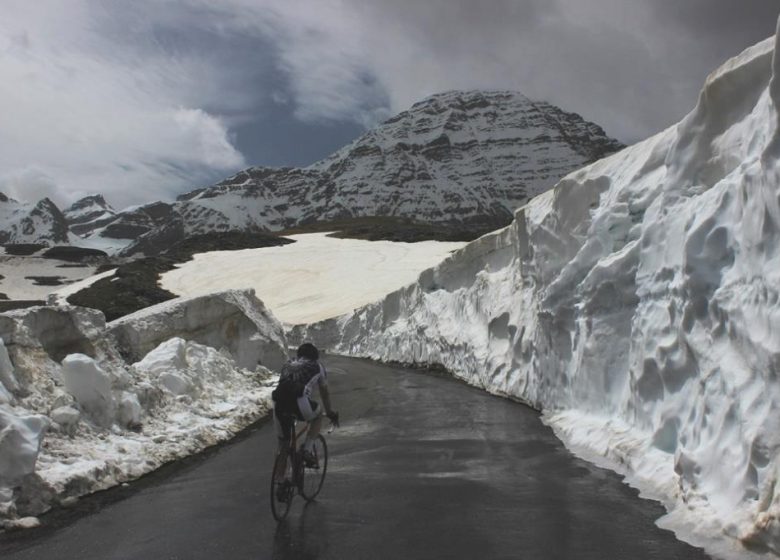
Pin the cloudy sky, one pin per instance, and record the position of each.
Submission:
(144, 100)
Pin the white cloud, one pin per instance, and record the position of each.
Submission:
(92, 115)
(31, 184)
(207, 138)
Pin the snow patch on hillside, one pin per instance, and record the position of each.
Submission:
(84, 407)
(315, 278)
(637, 305)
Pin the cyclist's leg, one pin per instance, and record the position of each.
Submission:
(311, 412)
(283, 426)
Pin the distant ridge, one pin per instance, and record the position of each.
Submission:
(464, 160)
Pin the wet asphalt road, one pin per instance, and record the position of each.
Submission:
(423, 467)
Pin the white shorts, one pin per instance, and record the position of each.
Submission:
(307, 411)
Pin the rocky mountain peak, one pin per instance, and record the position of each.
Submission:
(469, 157)
(38, 223)
(89, 213)
(91, 201)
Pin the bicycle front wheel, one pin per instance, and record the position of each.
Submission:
(314, 475)
(282, 488)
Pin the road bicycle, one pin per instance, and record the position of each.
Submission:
(300, 477)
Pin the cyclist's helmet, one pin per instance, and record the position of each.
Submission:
(308, 351)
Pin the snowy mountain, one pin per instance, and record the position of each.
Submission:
(116, 232)
(40, 223)
(462, 159)
(636, 304)
(89, 214)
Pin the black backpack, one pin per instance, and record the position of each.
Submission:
(293, 379)
(287, 393)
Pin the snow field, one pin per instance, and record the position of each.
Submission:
(79, 413)
(315, 278)
(637, 305)
(15, 270)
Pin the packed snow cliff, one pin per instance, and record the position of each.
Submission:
(638, 305)
(84, 406)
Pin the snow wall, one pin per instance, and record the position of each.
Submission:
(85, 406)
(233, 319)
(638, 305)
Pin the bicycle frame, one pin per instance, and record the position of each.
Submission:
(290, 471)
(297, 435)
(292, 451)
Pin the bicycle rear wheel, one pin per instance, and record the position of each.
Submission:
(314, 476)
(284, 489)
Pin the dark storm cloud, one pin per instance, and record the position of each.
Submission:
(634, 66)
(446, 22)
(718, 29)
(741, 21)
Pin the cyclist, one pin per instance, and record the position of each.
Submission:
(293, 401)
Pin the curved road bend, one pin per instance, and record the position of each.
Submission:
(424, 467)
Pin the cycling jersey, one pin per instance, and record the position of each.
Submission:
(292, 397)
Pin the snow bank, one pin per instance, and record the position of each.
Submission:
(80, 413)
(91, 387)
(20, 441)
(638, 305)
(8, 383)
(235, 320)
